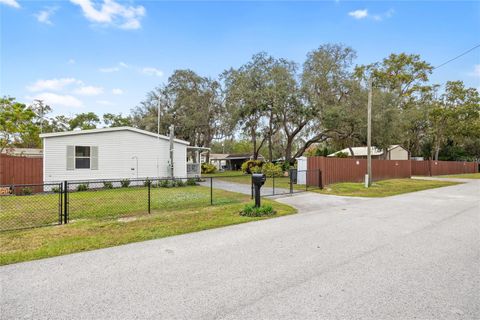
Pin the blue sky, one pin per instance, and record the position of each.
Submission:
(104, 56)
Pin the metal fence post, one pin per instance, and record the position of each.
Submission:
(291, 181)
(306, 179)
(211, 190)
(251, 187)
(149, 183)
(60, 203)
(320, 182)
(65, 202)
(273, 183)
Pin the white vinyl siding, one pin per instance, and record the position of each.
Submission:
(112, 156)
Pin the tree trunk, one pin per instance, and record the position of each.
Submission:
(437, 151)
(254, 142)
(270, 133)
(270, 149)
(288, 151)
(436, 148)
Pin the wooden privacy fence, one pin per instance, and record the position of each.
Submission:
(438, 168)
(20, 170)
(335, 170)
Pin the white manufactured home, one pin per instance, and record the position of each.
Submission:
(111, 153)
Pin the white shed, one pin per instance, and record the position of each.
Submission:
(110, 153)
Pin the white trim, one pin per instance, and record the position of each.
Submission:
(43, 158)
(395, 147)
(77, 132)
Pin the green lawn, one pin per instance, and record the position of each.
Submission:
(43, 209)
(172, 216)
(382, 188)
(463, 176)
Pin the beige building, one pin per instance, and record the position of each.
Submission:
(229, 161)
(394, 152)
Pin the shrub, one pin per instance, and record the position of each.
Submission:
(272, 170)
(147, 182)
(191, 182)
(252, 166)
(318, 150)
(341, 155)
(55, 189)
(82, 187)
(251, 211)
(286, 166)
(180, 183)
(107, 185)
(165, 184)
(125, 183)
(27, 191)
(208, 168)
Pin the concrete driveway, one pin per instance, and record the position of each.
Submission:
(409, 256)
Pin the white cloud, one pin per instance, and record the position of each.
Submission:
(105, 102)
(476, 71)
(71, 61)
(44, 15)
(150, 71)
(359, 14)
(117, 91)
(11, 3)
(115, 68)
(52, 84)
(54, 100)
(363, 14)
(111, 13)
(383, 16)
(88, 91)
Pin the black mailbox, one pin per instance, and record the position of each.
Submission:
(258, 180)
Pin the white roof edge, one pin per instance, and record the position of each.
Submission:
(394, 146)
(375, 150)
(99, 130)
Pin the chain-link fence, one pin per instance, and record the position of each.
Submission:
(26, 206)
(104, 199)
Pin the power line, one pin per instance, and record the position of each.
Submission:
(460, 55)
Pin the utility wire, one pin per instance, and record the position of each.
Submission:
(460, 55)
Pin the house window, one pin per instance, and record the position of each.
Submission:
(82, 157)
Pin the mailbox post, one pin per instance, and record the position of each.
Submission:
(258, 180)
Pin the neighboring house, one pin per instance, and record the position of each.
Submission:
(110, 153)
(219, 160)
(394, 152)
(229, 161)
(23, 152)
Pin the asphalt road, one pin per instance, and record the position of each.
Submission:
(409, 256)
